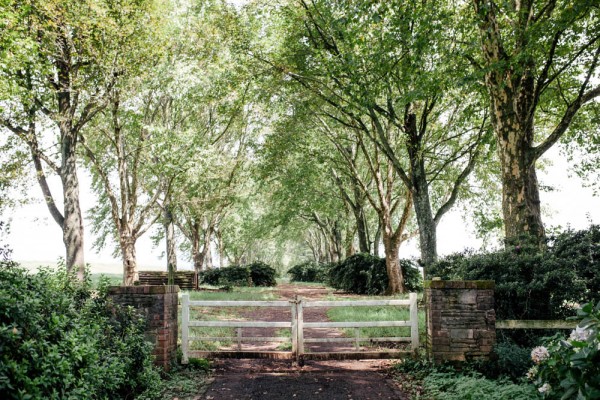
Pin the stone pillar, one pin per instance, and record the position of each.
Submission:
(461, 320)
(158, 304)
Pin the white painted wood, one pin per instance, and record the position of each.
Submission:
(235, 338)
(185, 318)
(414, 319)
(241, 324)
(240, 303)
(348, 340)
(294, 306)
(297, 326)
(358, 324)
(356, 303)
(300, 315)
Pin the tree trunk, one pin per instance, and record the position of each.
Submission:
(362, 231)
(170, 238)
(130, 273)
(336, 238)
(73, 221)
(208, 261)
(350, 248)
(511, 86)
(392, 265)
(196, 254)
(520, 191)
(220, 248)
(200, 262)
(377, 241)
(420, 192)
(427, 226)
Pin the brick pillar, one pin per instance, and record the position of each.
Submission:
(159, 305)
(461, 320)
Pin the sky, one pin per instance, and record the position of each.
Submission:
(34, 236)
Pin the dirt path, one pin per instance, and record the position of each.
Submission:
(282, 380)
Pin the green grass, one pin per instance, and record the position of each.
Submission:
(238, 293)
(387, 313)
(453, 386)
(113, 279)
(183, 382)
(222, 313)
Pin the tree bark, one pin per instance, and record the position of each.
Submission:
(377, 241)
(515, 84)
(169, 225)
(130, 272)
(196, 254)
(420, 192)
(73, 220)
(392, 265)
(520, 191)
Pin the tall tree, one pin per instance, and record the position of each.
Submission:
(378, 65)
(540, 61)
(58, 62)
(52, 64)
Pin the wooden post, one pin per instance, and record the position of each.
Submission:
(294, 307)
(357, 333)
(414, 322)
(185, 319)
(300, 327)
(239, 339)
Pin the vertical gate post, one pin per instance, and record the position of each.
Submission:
(300, 327)
(414, 322)
(185, 319)
(294, 307)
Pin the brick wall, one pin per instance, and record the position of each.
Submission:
(159, 305)
(461, 321)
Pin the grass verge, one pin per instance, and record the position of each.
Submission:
(222, 313)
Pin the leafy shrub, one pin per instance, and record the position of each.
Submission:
(529, 284)
(59, 340)
(580, 250)
(534, 284)
(570, 369)
(445, 381)
(262, 274)
(256, 274)
(453, 386)
(366, 274)
(511, 361)
(309, 271)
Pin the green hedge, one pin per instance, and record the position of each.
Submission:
(530, 283)
(364, 273)
(309, 271)
(255, 274)
(58, 340)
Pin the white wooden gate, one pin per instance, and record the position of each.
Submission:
(297, 326)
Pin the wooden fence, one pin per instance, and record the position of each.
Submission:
(186, 280)
(298, 325)
(535, 324)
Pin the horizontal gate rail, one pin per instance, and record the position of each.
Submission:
(297, 326)
(186, 324)
(357, 339)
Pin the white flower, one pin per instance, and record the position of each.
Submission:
(580, 334)
(539, 354)
(531, 374)
(545, 388)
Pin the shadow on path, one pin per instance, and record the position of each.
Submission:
(282, 379)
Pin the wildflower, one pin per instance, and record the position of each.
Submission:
(580, 334)
(539, 354)
(545, 388)
(531, 374)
